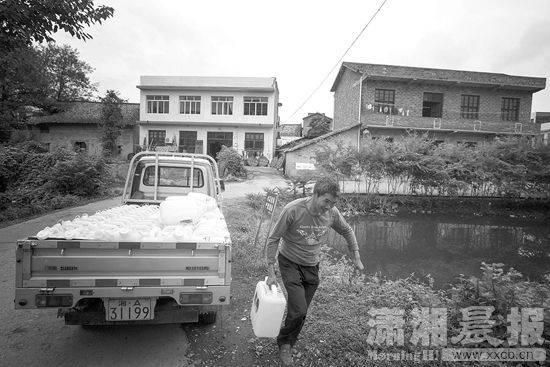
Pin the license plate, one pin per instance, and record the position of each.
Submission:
(127, 309)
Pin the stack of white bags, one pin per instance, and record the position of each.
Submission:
(191, 218)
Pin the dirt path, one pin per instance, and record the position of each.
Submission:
(231, 341)
(259, 177)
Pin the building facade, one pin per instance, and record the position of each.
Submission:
(78, 128)
(450, 105)
(201, 114)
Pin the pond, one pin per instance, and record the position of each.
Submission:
(445, 247)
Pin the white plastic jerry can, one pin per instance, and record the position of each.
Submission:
(268, 308)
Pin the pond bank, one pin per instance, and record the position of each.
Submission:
(335, 333)
(531, 209)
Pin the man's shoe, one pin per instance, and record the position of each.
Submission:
(285, 354)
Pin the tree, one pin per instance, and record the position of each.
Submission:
(320, 125)
(111, 122)
(40, 77)
(23, 81)
(25, 21)
(66, 74)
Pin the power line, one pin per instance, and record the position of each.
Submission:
(339, 60)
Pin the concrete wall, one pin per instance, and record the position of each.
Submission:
(307, 154)
(346, 100)
(410, 96)
(66, 135)
(206, 115)
(172, 132)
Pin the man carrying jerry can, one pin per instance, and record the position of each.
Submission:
(301, 230)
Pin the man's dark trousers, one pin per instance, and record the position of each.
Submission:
(300, 282)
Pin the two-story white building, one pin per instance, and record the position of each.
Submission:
(200, 114)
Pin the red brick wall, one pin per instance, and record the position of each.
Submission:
(410, 96)
(346, 100)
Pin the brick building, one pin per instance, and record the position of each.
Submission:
(451, 105)
(77, 128)
(543, 119)
(300, 158)
(287, 133)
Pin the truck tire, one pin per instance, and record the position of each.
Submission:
(207, 318)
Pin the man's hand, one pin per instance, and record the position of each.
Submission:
(271, 277)
(357, 261)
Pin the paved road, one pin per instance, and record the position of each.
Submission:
(38, 338)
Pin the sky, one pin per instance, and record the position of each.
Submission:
(300, 41)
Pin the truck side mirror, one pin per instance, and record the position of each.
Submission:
(222, 185)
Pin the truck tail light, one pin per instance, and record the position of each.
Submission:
(196, 298)
(54, 300)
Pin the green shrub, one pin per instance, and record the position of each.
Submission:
(511, 167)
(33, 181)
(230, 162)
(82, 175)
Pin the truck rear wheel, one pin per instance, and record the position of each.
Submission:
(207, 318)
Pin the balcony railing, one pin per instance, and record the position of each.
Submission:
(395, 117)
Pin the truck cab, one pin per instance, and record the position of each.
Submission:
(152, 177)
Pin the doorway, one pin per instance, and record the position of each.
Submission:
(215, 141)
(432, 105)
(188, 141)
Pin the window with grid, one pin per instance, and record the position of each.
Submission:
(254, 141)
(255, 106)
(222, 105)
(384, 100)
(510, 109)
(158, 104)
(157, 137)
(469, 107)
(173, 177)
(190, 105)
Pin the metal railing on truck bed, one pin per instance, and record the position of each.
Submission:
(189, 158)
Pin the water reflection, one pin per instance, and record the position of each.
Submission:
(447, 247)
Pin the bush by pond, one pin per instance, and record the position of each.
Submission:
(511, 167)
